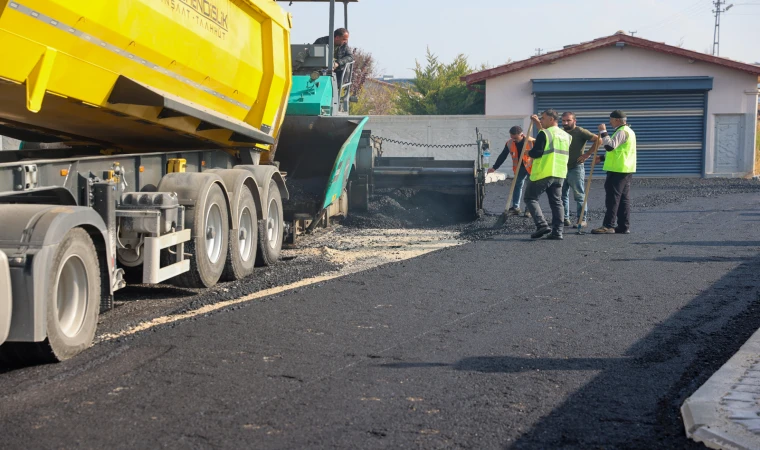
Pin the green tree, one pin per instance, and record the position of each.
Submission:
(376, 98)
(372, 97)
(438, 89)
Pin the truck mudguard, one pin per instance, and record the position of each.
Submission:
(30, 236)
(262, 175)
(190, 186)
(234, 179)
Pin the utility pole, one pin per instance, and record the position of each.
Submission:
(538, 51)
(633, 33)
(716, 35)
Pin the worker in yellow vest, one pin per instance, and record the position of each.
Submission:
(514, 148)
(550, 154)
(620, 165)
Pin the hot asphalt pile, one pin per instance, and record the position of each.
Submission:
(305, 194)
(411, 208)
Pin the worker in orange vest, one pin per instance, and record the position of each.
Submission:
(514, 148)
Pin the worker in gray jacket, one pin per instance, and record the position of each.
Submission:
(620, 165)
(342, 55)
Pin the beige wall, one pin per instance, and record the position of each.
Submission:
(734, 92)
(441, 130)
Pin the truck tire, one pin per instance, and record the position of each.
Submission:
(73, 316)
(241, 256)
(73, 303)
(209, 220)
(271, 228)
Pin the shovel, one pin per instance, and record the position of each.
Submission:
(503, 217)
(597, 144)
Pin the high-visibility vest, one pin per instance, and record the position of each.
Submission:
(623, 158)
(553, 163)
(527, 160)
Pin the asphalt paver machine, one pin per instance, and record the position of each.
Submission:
(339, 144)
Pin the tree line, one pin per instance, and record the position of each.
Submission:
(436, 89)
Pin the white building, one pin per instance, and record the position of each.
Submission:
(694, 114)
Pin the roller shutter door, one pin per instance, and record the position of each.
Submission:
(669, 126)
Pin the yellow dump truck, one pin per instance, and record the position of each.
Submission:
(149, 129)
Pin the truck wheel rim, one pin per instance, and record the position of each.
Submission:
(214, 233)
(273, 224)
(72, 295)
(246, 232)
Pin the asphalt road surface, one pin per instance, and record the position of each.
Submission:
(591, 342)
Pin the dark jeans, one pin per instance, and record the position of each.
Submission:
(618, 200)
(553, 188)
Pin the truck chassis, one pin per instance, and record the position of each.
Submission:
(75, 229)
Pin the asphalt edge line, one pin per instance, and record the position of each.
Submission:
(163, 320)
(706, 420)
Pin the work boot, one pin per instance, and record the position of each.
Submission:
(527, 214)
(622, 231)
(541, 232)
(567, 223)
(514, 211)
(555, 237)
(603, 230)
(582, 224)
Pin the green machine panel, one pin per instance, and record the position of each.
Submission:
(310, 97)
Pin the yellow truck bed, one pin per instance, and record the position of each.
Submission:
(144, 74)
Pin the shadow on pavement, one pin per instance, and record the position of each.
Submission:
(686, 259)
(634, 402)
(509, 364)
(707, 243)
(134, 293)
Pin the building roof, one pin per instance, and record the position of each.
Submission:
(386, 84)
(608, 41)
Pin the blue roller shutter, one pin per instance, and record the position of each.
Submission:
(668, 116)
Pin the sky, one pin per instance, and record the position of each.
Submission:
(398, 32)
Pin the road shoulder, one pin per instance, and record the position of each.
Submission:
(724, 413)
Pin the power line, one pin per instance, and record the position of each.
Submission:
(690, 11)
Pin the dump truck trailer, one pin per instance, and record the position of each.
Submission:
(155, 125)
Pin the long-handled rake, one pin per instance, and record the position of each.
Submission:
(503, 217)
(596, 146)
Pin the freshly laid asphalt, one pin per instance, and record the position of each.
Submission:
(590, 342)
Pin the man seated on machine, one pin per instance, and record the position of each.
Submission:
(343, 54)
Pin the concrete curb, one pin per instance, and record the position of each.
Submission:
(725, 412)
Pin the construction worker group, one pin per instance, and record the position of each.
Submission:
(554, 163)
